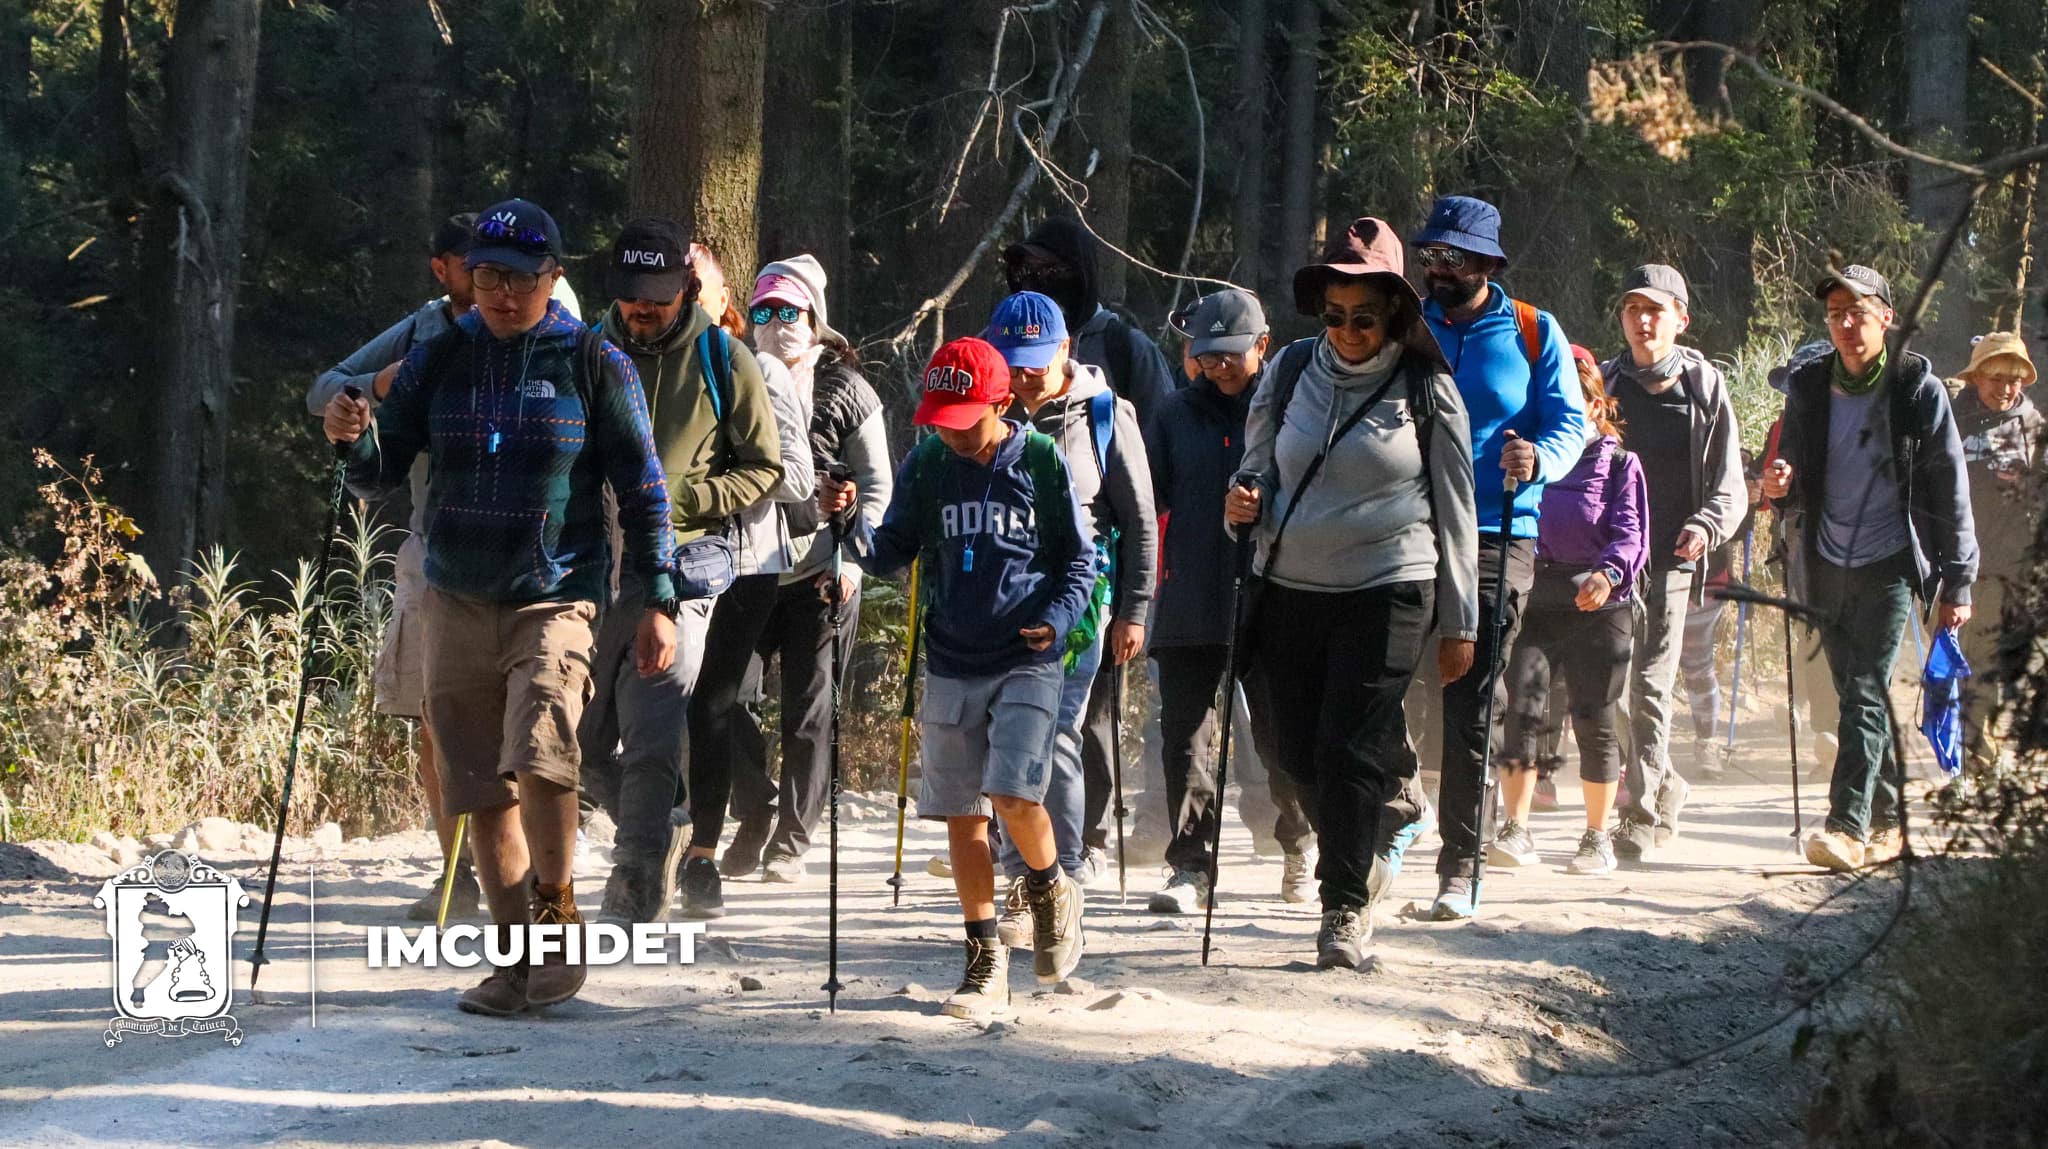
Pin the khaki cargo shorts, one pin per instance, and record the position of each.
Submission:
(399, 678)
(506, 684)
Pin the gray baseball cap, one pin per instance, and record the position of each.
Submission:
(1660, 282)
(1863, 282)
(1228, 322)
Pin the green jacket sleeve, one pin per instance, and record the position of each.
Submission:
(753, 457)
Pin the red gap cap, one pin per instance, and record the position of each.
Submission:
(964, 377)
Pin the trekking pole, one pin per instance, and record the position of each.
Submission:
(903, 740)
(843, 474)
(1240, 565)
(1741, 629)
(291, 758)
(448, 872)
(1497, 626)
(1792, 731)
(1116, 743)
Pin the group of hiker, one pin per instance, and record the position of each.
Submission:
(616, 528)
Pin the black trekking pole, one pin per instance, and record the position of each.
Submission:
(1240, 566)
(1497, 626)
(1792, 730)
(291, 759)
(1116, 759)
(842, 473)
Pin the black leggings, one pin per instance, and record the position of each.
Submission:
(1590, 651)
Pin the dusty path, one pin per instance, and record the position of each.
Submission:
(1453, 1041)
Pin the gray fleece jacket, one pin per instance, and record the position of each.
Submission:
(1714, 471)
(1373, 516)
(1121, 498)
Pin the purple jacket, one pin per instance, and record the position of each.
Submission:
(1595, 517)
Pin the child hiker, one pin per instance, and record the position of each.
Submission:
(989, 509)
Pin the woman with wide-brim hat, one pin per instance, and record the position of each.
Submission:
(1358, 476)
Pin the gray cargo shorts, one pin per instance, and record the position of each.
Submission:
(983, 736)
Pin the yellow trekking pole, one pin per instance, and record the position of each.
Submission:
(448, 872)
(903, 737)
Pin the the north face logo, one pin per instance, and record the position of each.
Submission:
(949, 380)
(643, 259)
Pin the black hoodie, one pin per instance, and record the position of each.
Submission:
(1136, 369)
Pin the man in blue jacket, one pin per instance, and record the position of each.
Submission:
(1514, 371)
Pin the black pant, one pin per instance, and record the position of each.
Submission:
(799, 631)
(1589, 652)
(737, 621)
(1330, 669)
(1098, 744)
(1466, 733)
(1190, 681)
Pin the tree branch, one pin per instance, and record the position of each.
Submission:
(1187, 251)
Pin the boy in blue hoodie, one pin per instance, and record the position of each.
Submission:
(988, 506)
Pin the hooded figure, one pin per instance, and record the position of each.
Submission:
(1059, 260)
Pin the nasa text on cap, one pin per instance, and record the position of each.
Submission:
(649, 261)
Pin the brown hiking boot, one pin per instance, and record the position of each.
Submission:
(556, 979)
(502, 994)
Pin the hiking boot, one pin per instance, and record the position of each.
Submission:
(632, 894)
(1453, 901)
(1832, 850)
(1298, 877)
(672, 860)
(703, 895)
(1545, 801)
(557, 979)
(1512, 848)
(1340, 944)
(985, 988)
(464, 902)
(1185, 892)
(1709, 757)
(1635, 840)
(1671, 797)
(1056, 943)
(784, 869)
(1595, 856)
(503, 993)
(1094, 868)
(743, 856)
(938, 867)
(1884, 845)
(1015, 928)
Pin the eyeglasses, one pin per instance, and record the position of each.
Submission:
(526, 238)
(1357, 320)
(491, 277)
(1846, 315)
(1032, 372)
(1449, 258)
(762, 314)
(1211, 360)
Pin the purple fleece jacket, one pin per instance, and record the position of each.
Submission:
(1596, 516)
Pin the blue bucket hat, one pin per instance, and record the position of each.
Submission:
(1465, 223)
(1027, 328)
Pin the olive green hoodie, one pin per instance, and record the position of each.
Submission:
(712, 476)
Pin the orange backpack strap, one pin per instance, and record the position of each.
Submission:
(1531, 329)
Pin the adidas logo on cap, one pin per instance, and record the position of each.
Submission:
(1216, 327)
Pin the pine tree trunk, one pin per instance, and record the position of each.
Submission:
(807, 108)
(194, 248)
(697, 124)
(402, 188)
(1937, 113)
(1103, 115)
(1248, 130)
(936, 246)
(1548, 233)
(1298, 147)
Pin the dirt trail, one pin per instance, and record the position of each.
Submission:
(1456, 1039)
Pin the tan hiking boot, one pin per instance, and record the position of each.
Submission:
(503, 993)
(984, 990)
(1834, 851)
(1056, 939)
(1015, 928)
(557, 979)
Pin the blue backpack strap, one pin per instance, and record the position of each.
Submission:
(717, 367)
(1101, 422)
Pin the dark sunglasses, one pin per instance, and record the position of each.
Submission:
(1357, 321)
(525, 238)
(762, 314)
(1445, 257)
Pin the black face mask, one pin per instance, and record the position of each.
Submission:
(1059, 282)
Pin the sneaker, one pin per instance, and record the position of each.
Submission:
(1709, 757)
(1512, 848)
(632, 894)
(1671, 797)
(1095, 866)
(557, 978)
(465, 902)
(1404, 837)
(985, 988)
(1056, 929)
(1635, 840)
(672, 859)
(1453, 901)
(1340, 944)
(1595, 856)
(1834, 851)
(743, 856)
(1545, 801)
(1015, 928)
(703, 892)
(938, 867)
(1298, 877)
(785, 869)
(1185, 892)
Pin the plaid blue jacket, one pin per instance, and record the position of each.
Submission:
(520, 449)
